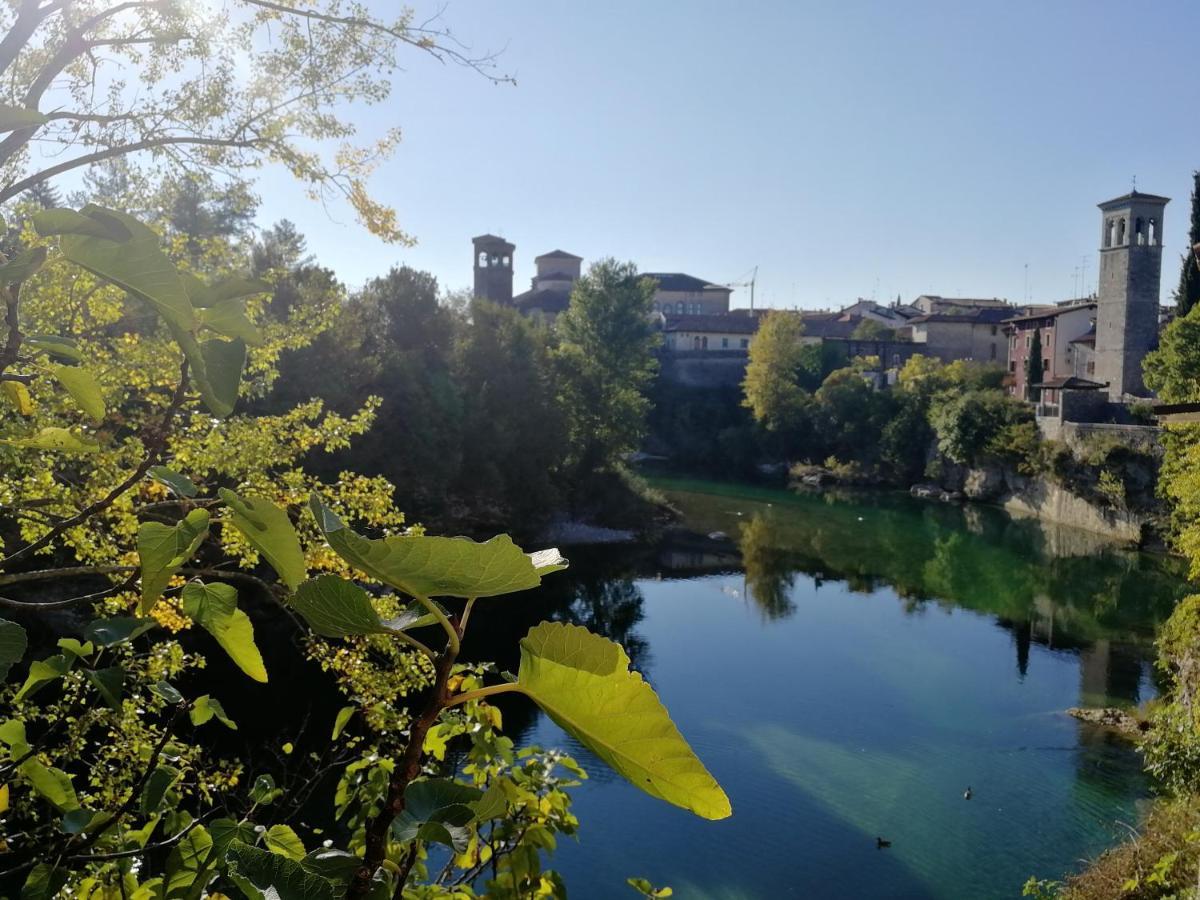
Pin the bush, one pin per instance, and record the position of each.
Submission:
(967, 422)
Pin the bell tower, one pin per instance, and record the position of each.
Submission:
(493, 268)
(1127, 305)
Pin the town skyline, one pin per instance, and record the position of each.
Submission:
(936, 152)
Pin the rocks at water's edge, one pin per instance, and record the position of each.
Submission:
(1119, 720)
(935, 492)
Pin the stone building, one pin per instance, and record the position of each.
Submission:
(493, 266)
(685, 295)
(1127, 309)
(968, 332)
(549, 294)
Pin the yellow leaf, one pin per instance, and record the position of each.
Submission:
(18, 395)
(3, 798)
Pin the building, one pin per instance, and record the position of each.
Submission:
(963, 332)
(708, 332)
(685, 295)
(493, 264)
(550, 292)
(929, 304)
(1060, 329)
(1127, 313)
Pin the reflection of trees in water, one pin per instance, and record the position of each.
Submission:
(612, 608)
(769, 570)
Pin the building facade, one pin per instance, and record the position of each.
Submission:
(970, 333)
(1058, 327)
(493, 267)
(1127, 310)
(685, 295)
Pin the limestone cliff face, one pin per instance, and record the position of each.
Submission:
(1046, 499)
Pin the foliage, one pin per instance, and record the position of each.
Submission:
(219, 89)
(1188, 292)
(605, 364)
(872, 330)
(771, 388)
(1035, 371)
(112, 752)
(967, 422)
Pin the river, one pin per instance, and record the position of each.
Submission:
(847, 668)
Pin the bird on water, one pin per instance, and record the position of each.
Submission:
(880, 843)
(967, 793)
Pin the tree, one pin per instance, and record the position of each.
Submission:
(124, 443)
(872, 330)
(1033, 376)
(606, 364)
(771, 388)
(1188, 292)
(219, 89)
(966, 422)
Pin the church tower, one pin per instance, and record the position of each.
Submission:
(493, 268)
(1127, 306)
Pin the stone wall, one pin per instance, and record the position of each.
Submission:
(703, 368)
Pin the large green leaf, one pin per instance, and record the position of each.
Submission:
(22, 266)
(205, 708)
(269, 529)
(44, 882)
(13, 643)
(188, 860)
(229, 318)
(180, 485)
(438, 566)
(223, 364)
(15, 117)
(67, 221)
(83, 389)
(117, 630)
(44, 671)
(269, 876)
(282, 839)
(163, 549)
(214, 607)
(583, 682)
(136, 264)
(110, 683)
(437, 810)
(335, 607)
(55, 347)
(62, 440)
(236, 288)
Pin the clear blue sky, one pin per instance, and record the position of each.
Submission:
(847, 149)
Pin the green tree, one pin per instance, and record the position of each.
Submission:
(606, 364)
(872, 330)
(1034, 373)
(966, 422)
(1188, 292)
(503, 370)
(771, 388)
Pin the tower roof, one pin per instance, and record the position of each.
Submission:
(557, 254)
(492, 239)
(1133, 196)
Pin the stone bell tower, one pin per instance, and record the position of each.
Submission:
(493, 268)
(1127, 305)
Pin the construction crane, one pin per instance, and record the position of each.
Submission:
(750, 284)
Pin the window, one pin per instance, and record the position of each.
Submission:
(1045, 367)
(993, 331)
(895, 360)
(483, 259)
(679, 307)
(1108, 232)
(704, 343)
(696, 343)
(1153, 232)
(724, 343)
(1139, 231)
(993, 351)
(1028, 341)
(1120, 232)
(1012, 366)
(506, 261)
(745, 343)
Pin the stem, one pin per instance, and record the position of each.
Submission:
(452, 637)
(462, 622)
(405, 773)
(479, 694)
(414, 643)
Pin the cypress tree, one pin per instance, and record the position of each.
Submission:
(1188, 293)
(1034, 375)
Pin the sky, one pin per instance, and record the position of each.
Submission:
(847, 149)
